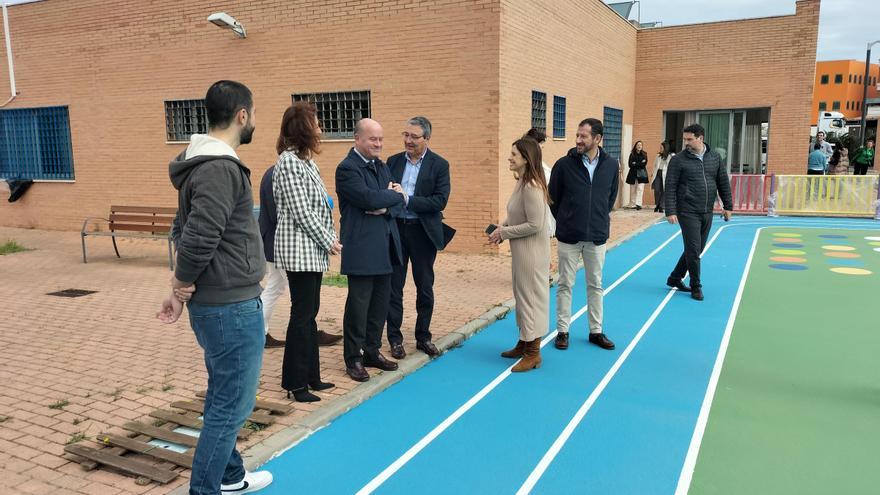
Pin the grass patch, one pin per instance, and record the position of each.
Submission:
(11, 247)
(60, 404)
(335, 280)
(116, 394)
(4, 419)
(250, 425)
(158, 422)
(75, 438)
(144, 390)
(167, 387)
(77, 421)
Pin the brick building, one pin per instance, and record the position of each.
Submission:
(127, 81)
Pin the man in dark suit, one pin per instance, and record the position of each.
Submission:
(368, 198)
(424, 177)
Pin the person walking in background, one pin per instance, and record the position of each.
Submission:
(637, 176)
(219, 255)
(368, 199)
(305, 239)
(583, 189)
(276, 280)
(526, 227)
(839, 163)
(696, 177)
(658, 182)
(864, 158)
(424, 176)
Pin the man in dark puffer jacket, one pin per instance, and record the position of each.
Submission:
(695, 177)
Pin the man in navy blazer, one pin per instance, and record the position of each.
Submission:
(367, 200)
(424, 177)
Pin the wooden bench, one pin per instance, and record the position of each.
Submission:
(145, 222)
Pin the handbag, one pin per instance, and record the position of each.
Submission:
(642, 175)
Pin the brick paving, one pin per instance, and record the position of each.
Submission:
(76, 367)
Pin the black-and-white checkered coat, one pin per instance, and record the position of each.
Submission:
(305, 231)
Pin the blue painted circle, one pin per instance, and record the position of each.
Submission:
(842, 262)
(787, 245)
(783, 266)
(832, 236)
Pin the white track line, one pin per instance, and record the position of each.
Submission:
(690, 462)
(563, 437)
(452, 418)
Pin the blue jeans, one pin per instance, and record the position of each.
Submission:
(232, 336)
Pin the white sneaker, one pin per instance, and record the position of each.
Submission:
(251, 483)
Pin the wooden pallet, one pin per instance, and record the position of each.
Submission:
(132, 454)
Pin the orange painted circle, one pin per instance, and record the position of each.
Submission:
(786, 239)
(838, 254)
(788, 259)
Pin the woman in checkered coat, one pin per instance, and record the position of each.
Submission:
(304, 240)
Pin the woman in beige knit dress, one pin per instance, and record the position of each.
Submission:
(526, 228)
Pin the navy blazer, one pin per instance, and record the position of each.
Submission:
(431, 192)
(370, 243)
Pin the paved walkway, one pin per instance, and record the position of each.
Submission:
(76, 367)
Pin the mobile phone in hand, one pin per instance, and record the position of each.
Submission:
(491, 228)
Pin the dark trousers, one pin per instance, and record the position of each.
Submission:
(420, 251)
(859, 169)
(365, 311)
(302, 364)
(694, 232)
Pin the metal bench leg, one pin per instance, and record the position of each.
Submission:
(114, 246)
(83, 237)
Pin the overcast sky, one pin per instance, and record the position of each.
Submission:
(845, 26)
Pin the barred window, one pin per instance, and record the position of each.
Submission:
(559, 117)
(539, 110)
(613, 122)
(35, 144)
(183, 118)
(338, 112)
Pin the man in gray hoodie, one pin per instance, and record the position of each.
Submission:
(219, 268)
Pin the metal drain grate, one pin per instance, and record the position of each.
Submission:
(72, 293)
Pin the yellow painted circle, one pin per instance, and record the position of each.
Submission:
(792, 252)
(832, 247)
(851, 271)
(786, 234)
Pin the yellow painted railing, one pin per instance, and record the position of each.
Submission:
(852, 195)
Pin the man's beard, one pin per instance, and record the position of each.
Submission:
(247, 134)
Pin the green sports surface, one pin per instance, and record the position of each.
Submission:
(797, 405)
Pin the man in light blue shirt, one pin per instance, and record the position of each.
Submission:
(817, 163)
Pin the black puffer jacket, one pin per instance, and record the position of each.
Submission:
(582, 204)
(693, 184)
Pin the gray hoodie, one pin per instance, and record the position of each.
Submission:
(218, 241)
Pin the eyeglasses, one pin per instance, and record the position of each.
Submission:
(414, 137)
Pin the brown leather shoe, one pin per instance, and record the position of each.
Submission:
(428, 348)
(397, 351)
(357, 372)
(380, 362)
(561, 341)
(325, 339)
(516, 352)
(272, 342)
(531, 357)
(601, 340)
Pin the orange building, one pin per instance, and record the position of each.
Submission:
(839, 87)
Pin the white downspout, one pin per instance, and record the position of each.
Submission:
(8, 56)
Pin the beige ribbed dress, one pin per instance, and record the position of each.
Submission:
(526, 228)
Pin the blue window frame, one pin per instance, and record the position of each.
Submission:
(612, 119)
(35, 144)
(539, 110)
(559, 117)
